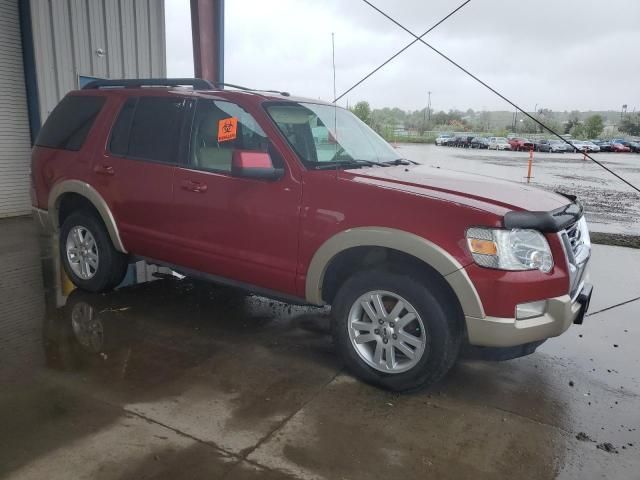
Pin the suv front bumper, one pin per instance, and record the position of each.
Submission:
(559, 314)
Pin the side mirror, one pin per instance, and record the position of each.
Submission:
(258, 165)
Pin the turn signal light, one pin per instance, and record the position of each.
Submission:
(483, 247)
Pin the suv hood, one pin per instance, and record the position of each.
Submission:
(439, 182)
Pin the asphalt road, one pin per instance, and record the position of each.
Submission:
(611, 206)
(176, 379)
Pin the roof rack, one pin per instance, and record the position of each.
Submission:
(247, 89)
(196, 83)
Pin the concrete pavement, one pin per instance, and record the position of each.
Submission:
(179, 379)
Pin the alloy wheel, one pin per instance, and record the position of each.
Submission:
(386, 331)
(82, 252)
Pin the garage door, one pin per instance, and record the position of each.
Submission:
(15, 145)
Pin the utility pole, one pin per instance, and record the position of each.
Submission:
(429, 106)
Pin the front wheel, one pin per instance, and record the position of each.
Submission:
(88, 256)
(395, 330)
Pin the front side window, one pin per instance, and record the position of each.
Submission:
(323, 135)
(148, 128)
(68, 125)
(219, 128)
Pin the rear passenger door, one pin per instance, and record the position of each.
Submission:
(137, 168)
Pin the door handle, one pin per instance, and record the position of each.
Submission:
(104, 169)
(192, 186)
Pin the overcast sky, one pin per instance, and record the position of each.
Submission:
(558, 54)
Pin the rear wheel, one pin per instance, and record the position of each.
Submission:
(396, 331)
(88, 256)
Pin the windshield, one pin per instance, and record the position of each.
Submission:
(501, 140)
(326, 135)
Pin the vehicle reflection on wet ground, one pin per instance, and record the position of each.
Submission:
(181, 379)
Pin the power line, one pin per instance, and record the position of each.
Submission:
(419, 39)
(396, 54)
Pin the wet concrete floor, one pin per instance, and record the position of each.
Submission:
(179, 379)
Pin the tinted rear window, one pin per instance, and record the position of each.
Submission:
(68, 125)
(148, 128)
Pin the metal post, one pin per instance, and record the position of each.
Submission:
(207, 31)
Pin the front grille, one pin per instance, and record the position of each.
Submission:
(574, 232)
(577, 245)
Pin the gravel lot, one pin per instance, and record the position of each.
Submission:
(611, 206)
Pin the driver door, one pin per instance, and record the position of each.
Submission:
(242, 229)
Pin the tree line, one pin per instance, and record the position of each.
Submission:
(386, 120)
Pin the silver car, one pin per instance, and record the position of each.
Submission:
(556, 146)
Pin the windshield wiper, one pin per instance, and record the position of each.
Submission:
(349, 163)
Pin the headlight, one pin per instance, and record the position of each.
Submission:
(510, 249)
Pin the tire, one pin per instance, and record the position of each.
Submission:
(436, 312)
(104, 267)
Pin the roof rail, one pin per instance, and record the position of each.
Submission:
(196, 83)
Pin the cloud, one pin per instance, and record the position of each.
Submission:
(573, 54)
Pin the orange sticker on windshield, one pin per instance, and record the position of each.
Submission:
(227, 129)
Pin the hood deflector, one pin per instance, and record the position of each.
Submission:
(547, 222)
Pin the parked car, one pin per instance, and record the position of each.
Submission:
(520, 144)
(479, 142)
(499, 143)
(541, 145)
(578, 145)
(619, 148)
(552, 146)
(603, 144)
(628, 143)
(634, 147)
(460, 141)
(443, 138)
(449, 142)
(590, 147)
(239, 187)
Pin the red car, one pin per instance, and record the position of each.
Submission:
(298, 200)
(521, 144)
(619, 147)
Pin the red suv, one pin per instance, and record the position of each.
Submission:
(298, 200)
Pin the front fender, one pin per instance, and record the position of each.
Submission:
(409, 243)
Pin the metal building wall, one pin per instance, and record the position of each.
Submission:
(95, 38)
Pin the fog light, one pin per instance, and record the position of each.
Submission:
(530, 310)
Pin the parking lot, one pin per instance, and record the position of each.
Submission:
(611, 206)
(178, 379)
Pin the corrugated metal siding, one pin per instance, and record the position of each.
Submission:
(21, 299)
(15, 142)
(68, 33)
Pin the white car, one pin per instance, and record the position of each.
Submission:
(591, 147)
(442, 138)
(499, 143)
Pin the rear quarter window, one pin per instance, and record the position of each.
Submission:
(70, 122)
